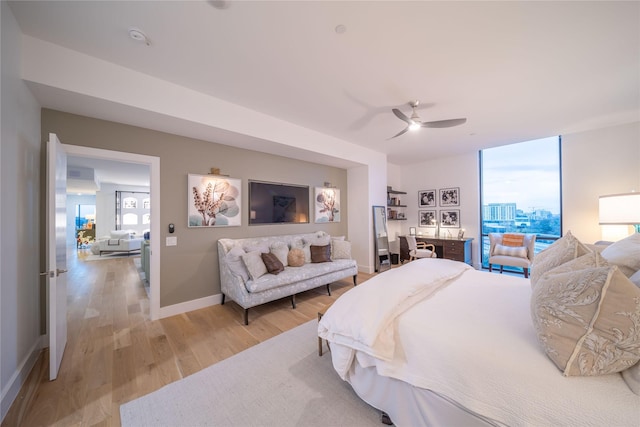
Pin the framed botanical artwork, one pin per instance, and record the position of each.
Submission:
(449, 197)
(426, 198)
(327, 204)
(427, 218)
(214, 201)
(450, 218)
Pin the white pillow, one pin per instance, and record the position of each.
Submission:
(120, 234)
(235, 263)
(281, 250)
(340, 249)
(253, 261)
(632, 378)
(625, 254)
(514, 251)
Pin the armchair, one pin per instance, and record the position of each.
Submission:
(420, 249)
(512, 249)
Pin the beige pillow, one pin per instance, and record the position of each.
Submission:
(635, 278)
(281, 250)
(295, 258)
(562, 250)
(340, 249)
(584, 320)
(625, 254)
(255, 265)
(632, 378)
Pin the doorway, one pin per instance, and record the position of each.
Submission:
(154, 189)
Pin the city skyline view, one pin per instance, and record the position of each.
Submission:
(527, 174)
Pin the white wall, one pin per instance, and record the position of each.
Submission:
(20, 322)
(594, 163)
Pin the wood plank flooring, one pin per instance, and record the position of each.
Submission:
(115, 354)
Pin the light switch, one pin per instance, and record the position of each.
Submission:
(172, 241)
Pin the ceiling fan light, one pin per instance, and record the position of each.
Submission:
(414, 126)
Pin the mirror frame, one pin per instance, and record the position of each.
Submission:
(382, 261)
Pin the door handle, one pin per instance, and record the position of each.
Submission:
(59, 271)
(48, 273)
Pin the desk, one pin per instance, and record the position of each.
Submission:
(454, 249)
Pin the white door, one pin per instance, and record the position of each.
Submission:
(56, 252)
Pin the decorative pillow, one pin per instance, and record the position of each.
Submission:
(625, 254)
(515, 251)
(120, 234)
(281, 250)
(235, 263)
(632, 378)
(257, 247)
(255, 265)
(340, 249)
(510, 239)
(590, 260)
(321, 253)
(562, 250)
(306, 248)
(584, 320)
(322, 240)
(635, 278)
(273, 264)
(295, 258)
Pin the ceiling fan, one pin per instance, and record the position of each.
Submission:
(414, 122)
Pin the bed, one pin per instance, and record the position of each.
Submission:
(435, 342)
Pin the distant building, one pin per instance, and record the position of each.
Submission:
(499, 212)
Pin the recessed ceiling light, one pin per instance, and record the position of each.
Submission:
(139, 36)
(219, 4)
(340, 29)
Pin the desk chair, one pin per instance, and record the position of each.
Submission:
(420, 249)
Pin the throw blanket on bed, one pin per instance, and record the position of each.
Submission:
(363, 318)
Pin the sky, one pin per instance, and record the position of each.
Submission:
(526, 173)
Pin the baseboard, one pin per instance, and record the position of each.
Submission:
(196, 304)
(12, 389)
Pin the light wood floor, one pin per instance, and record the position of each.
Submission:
(115, 354)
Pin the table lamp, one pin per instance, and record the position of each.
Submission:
(620, 210)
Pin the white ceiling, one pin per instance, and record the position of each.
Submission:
(516, 70)
(106, 172)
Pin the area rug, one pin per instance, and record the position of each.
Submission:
(280, 382)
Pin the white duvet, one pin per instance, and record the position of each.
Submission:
(469, 338)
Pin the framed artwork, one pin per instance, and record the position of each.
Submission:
(427, 218)
(412, 231)
(426, 198)
(450, 218)
(449, 197)
(214, 201)
(327, 204)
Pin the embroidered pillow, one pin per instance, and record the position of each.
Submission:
(515, 251)
(273, 264)
(320, 253)
(295, 258)
(584, 320)
(509, 239)
(340, 249)
(255, 265)
(562, 250)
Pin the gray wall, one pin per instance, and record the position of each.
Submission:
(189, 270)
(20, 293)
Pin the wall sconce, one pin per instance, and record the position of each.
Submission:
(617, 212)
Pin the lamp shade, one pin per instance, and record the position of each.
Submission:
(619, 209)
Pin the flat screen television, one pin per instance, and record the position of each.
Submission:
(276, 203)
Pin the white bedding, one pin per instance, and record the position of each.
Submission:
(474, 343)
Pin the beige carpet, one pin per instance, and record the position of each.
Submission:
(280, 382)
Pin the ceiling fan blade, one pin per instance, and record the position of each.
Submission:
(443, 123)
(399, 133)
(399, 114)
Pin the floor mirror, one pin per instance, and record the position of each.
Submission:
(382, 259)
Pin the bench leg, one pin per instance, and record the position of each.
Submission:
(293, 301)
(246, 316)
(222, 303)
(329, 289)
(355, 277)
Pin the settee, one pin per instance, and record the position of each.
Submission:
(117, 241)
(250, 277)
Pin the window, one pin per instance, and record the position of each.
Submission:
(521, 191)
